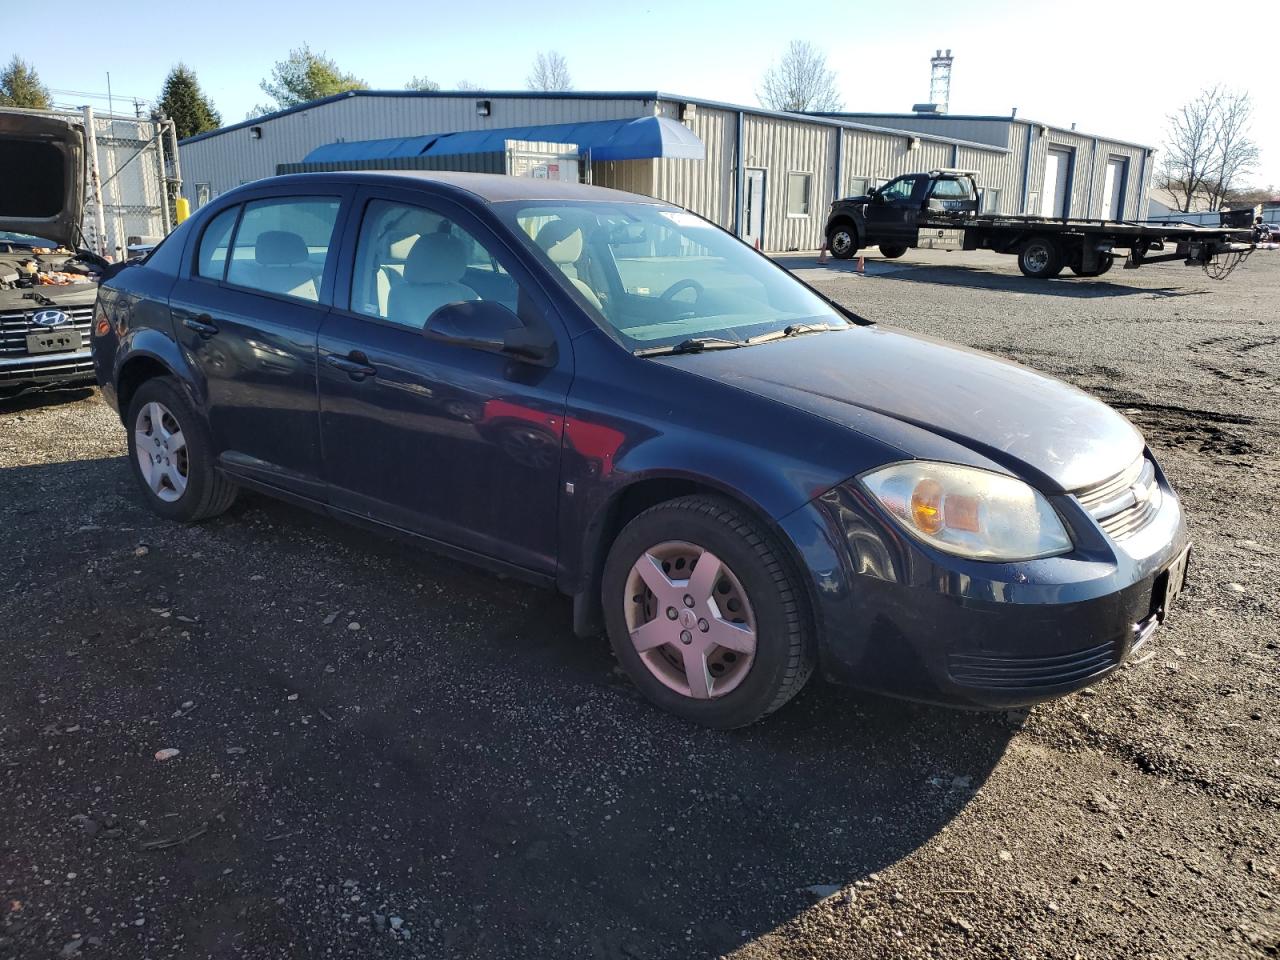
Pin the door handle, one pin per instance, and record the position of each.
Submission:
(355, 364)
(203, 325)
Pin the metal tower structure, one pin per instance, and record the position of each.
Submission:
(940, 80)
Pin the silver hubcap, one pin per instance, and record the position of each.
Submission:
(162, 451)
(690, 620)
(1037, 257)
(841, 242)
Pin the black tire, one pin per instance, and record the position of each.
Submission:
(208, 492)
(785, 651)
(842, 240)
(1041, 258)
(892, 251)
(1105, 262)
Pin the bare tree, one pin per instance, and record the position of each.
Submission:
(467, 85)
(1207, 148)
(423, 84)
(1237, 154)
(550, 72)
(800, 81)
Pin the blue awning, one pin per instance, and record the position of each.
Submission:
(635, 139)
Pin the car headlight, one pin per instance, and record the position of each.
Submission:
(969, 512)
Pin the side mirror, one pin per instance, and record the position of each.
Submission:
(488, 325)
(875, 196)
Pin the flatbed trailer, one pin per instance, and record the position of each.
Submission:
(941, 207)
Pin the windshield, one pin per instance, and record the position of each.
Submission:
(657, 276)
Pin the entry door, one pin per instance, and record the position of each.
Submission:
(753, 207)
(453, 443)
(1056, 193)
(1113, 189)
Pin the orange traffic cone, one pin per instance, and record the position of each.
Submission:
(862, 264)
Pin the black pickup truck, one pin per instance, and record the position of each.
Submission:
(942, 205)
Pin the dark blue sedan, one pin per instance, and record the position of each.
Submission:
(740, 480)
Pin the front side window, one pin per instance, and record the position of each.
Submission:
(655, 276)
(899, 190)
(282, 245)
(798, 194)
(214, 244)
(411, 261)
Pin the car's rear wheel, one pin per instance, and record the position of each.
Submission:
(892, 251)
(1040, 258)
(842, 241)
(172, 455)
(706, 614)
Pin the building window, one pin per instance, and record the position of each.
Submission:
(203, 194)
(798, 194)
(990, 200)
(859, 186)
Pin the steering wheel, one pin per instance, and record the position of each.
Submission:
(679, 285)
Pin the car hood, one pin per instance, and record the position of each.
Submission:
(42, 171)
(893, 385)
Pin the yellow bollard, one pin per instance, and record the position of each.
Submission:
(181, 209)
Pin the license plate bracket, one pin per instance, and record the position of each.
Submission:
(54, 341)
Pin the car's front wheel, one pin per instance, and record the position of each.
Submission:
(172, 455)
(842, 241)
(705, 613)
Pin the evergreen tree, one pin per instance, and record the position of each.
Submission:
(183, 102)
(303, 76)
(21, 87)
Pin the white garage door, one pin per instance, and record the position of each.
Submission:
(1113, 189)
(1054, 197)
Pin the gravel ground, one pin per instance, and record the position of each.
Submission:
(381, 753)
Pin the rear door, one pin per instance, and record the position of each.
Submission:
(1113, 189)
(247, 312)
(453, 443)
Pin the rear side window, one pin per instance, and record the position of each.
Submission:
(212, 261)
(282, 245)
(951, 190)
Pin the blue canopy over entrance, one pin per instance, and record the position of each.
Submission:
(639, 138)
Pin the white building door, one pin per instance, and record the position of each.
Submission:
(753, 206)
(1113, 189)
(1055, 196)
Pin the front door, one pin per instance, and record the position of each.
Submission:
(246, 314)
(453, 443)
(893, 214)
(1056, 194)
(753, 207)
(1113, 189)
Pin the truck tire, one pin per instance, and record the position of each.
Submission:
(1104, 264)
(1041, 258)
(842, 240)
(892, 251)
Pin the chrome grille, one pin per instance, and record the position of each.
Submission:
(1125, 503)
(15, 325)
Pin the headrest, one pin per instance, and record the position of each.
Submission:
(277, 248)
(561, 240)
(399, 249)
(436, 258)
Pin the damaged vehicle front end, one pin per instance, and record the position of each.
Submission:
(48, 285)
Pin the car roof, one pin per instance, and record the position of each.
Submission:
(489, 187)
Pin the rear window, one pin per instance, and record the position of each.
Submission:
(32, 178)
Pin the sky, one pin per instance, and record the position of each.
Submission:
(1117, 70)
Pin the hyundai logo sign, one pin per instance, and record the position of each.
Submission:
(50, 318)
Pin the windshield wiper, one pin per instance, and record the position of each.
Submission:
(692, 345)
(793, 330)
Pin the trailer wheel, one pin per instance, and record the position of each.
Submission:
(842, 241)
(1041, 258)
(892, 251)
(1104, 264)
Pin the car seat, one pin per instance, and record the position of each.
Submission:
(281, 265)
(562, 242)
(432, 274)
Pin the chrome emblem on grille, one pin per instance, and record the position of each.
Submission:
(50, 318)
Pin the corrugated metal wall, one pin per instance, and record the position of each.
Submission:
(706, 186)
(634, 176)
(227, 160)
(790, 146)
(1088, 170)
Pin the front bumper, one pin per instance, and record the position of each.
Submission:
(896, 617)
(22, 372)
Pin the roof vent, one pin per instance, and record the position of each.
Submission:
(925, 108)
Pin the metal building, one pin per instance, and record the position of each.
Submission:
(767, 176)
